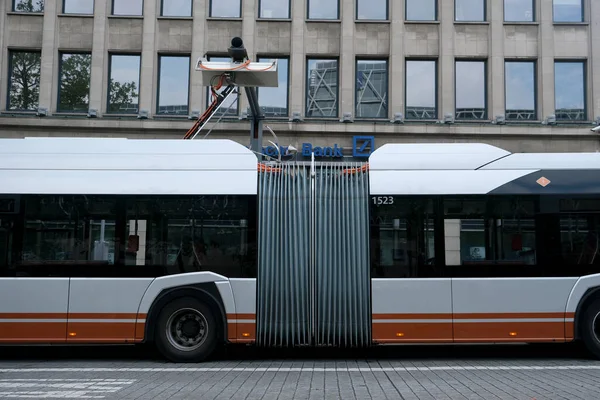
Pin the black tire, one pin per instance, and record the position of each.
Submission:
(172, 328)
(590, 328)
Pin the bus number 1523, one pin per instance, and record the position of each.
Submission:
(379, 200)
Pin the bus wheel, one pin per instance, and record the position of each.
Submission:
(590, 328)
(186, 330)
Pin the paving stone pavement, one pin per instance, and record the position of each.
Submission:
(392, 373)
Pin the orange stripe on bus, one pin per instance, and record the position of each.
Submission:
(569, 330)
(140, 331)
(411, 332)
(121, 332)
(71, 315)
(33, 316)
(510, 331)
(32, 331)
(509, 315)
(106, 316)
(412, 316)
(245, 328)
(241, 316)
(232, 331)
(529, 315)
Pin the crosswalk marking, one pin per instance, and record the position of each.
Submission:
(61, 388)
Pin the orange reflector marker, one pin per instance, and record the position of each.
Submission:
(399, 334)
(513, 333)
(72, 334)
(245, 334)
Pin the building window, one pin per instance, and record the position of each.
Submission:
(520, 80)
(274, 9)
(28, 6)
(569, 90)
(24, 80)
(322, 88)
(128, 7)
(421, 10)
(173, 85)
(78, 6)
(469, 10)
(372, 9)
(471, 84)
(371, 95)
(231, 106)
(421, 89)
(228, 8)
(568, 10)
(177, 8)
(123, 90)
(274, 100)
(518, 10)
(74, 85)
(323, 9)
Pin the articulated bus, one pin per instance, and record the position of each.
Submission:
(190, 245)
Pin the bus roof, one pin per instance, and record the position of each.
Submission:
(476, 168)
(472, 156)
(126, 166)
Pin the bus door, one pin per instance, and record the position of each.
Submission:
(33, 302)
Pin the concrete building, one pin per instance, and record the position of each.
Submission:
(520, 74)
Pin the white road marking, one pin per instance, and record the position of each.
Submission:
(61, 388)
(308, 369)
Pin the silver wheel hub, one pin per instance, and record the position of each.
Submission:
(187, 329)
(596, 327)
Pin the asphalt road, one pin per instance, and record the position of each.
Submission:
(401, 372)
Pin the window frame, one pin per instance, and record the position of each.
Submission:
(485, 12)
(387, 12)
(486, 83)
(436, 12)
(436, 62)
(582, 19)
(61, 53)
(260, 2)
(584, 64)
(159, 57)
(112, 9)
(162, 10)
(210, 10)
(387, 86)
(533, 14)
(10, 78)
(308, 18)
(109, 74)
(307, 85)
(261, 58)
(64, 6)
(535, 63)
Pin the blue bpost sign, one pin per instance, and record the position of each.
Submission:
(362, 147)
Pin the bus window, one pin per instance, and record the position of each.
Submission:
(495, 230)
(403, 239)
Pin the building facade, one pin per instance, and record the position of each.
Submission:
(520, 74)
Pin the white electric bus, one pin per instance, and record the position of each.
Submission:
(192, 244)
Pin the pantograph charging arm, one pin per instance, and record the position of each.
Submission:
(218, 100)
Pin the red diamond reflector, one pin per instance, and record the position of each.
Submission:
(543, 181)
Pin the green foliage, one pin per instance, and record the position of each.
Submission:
(121, 95)
(29, 6)
(75, 82)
